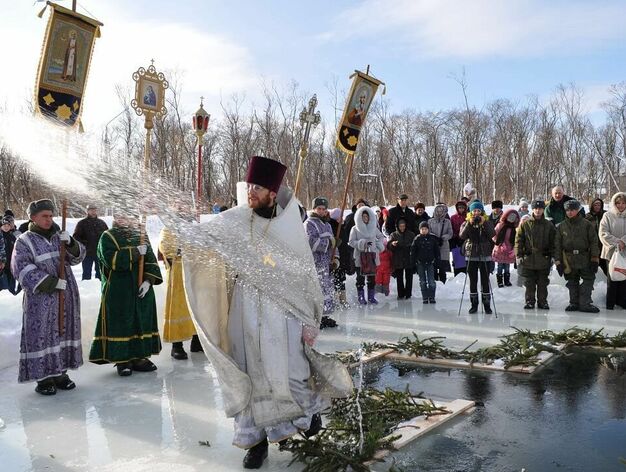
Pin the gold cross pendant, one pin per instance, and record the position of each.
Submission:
(267, 260)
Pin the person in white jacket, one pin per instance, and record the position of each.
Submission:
(366, 238)
(612, 235)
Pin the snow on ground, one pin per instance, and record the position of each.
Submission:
(153, 421)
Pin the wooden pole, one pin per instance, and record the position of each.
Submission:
(62, 251)
(149, 124)
(343, 203)
(303, 154)
(142, 241)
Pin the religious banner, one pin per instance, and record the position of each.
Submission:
(64, 64)
(360, 98)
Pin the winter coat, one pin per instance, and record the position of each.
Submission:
(88, 232)
(7, 240)
(612, 228)
(343, 250)
(495, 219)
(595, 218)
(419, 218)
(397, 213)
(555, 211)
(504, 239)
(3, 254)
(385, 268)
(425, 250)
(477, 243)
(534, 243)
(576, 242)
(401, 254)
(441, 227)
(346, 229)
(362, 234)
(457, 221)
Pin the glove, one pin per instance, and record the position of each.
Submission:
(594, 266)
(65, 237)
(142, 248)
(61, 284)
(309, 334)
(559, 268)
(143, 289)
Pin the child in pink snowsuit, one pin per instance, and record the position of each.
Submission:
(383, 271)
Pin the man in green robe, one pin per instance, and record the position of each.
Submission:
(127, 331)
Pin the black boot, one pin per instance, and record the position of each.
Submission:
(63, 382)
(530, 304)
(46, 387)
(143, 365)
(543, 305)
(500, 282)
(195, 344)
(507, 280)
(474, 301)
(327, 322)
(124, 369)
(255, 456)
(316, 426)
(178, 352)
(487, 303)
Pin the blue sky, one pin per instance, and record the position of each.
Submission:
(509, 49)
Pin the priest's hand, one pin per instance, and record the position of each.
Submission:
(309, 334)
(142, 249)
(61, 284)
(65, 237)
(143, 289)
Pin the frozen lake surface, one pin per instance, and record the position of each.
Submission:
(153, 421)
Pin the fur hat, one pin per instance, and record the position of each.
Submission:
(420, 205)
(403, 196)
(538, 204)
(335, 213)
(423, 224)
(572, 205)
(476, 205)
(39, 206)
(265, 172)
(497, 204)
(6, 220)
(319, 201)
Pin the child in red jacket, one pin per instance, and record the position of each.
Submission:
(383, 271)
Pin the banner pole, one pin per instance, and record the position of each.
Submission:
(344, 202)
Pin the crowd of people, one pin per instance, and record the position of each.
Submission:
(234, 315)
(377, 244)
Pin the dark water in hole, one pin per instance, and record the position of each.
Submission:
(571, 416)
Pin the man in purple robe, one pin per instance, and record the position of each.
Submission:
(321, 240)
(45, 352)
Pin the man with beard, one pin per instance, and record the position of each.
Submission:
(255, 297)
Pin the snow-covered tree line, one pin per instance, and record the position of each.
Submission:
(507, 150)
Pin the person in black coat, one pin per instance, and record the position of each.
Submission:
(88, 232)
(425, 255)
(8, 237)
(400, 246)
(420, 213)
(401, 210)
(341, 261)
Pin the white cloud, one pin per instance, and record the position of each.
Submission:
(210, 65)
(483, 28)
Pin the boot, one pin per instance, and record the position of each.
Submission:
(589, 309)
(46, 387)
(474, 302)
(178, 352)
(195, 345)
(63, 382)
(425, 296)
(255, 456)
(386, 290)
(371, 296)
(571, 307)
(543, 305)
(124, 369)
(530, 304)
(327, 322)
(507, 280)
(143, 365)
(361, 293)
(316, 426)
(500, 281)
(487, 303)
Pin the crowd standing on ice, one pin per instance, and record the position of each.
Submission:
(261, 344)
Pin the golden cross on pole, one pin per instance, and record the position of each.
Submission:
(309, 118)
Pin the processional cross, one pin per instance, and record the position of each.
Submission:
(309, 118)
